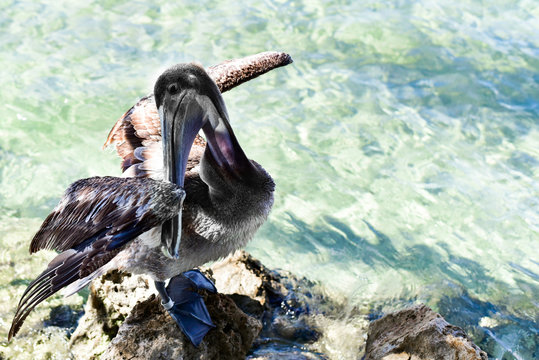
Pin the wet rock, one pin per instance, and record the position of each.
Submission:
(248, 305)
(272, 297)
(418, 333)
(123, 311)
(124, 319)
(295, 312)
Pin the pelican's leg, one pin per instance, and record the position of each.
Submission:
(166, 301)
(185, 305)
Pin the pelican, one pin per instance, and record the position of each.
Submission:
(182, 202)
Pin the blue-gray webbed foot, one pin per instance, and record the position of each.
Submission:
(185, 304)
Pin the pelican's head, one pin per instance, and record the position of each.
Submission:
(188, 100)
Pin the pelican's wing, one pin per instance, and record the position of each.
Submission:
(137, 134)
(106, 207)
(92, 223)
(139, 126)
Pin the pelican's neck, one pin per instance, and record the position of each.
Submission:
(253, 186)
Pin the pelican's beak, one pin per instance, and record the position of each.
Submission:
(181, 119)
(182, 116)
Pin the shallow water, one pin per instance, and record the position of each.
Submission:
(403, 141)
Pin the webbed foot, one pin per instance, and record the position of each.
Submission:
(186, 306)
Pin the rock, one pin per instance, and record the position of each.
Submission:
(418, 333)
(150, 333)
(123, 311)
(124, 319)
(270, 314)
(111, 299)
(242, 274)
(268, 295)
(294, 311)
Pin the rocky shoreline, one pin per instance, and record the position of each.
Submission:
(259, 314)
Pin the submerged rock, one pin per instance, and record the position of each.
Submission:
(63, 316)
(418, 333)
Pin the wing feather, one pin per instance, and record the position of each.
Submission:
(94, 220)
(61, 271)
(95, 207)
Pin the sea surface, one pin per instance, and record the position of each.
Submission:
(404, 142)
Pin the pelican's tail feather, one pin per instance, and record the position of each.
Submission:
(62, 271)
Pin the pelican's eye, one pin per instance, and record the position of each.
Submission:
(173, 89)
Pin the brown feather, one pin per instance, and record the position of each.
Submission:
(100, 206)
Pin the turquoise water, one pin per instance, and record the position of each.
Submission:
(403, 141)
